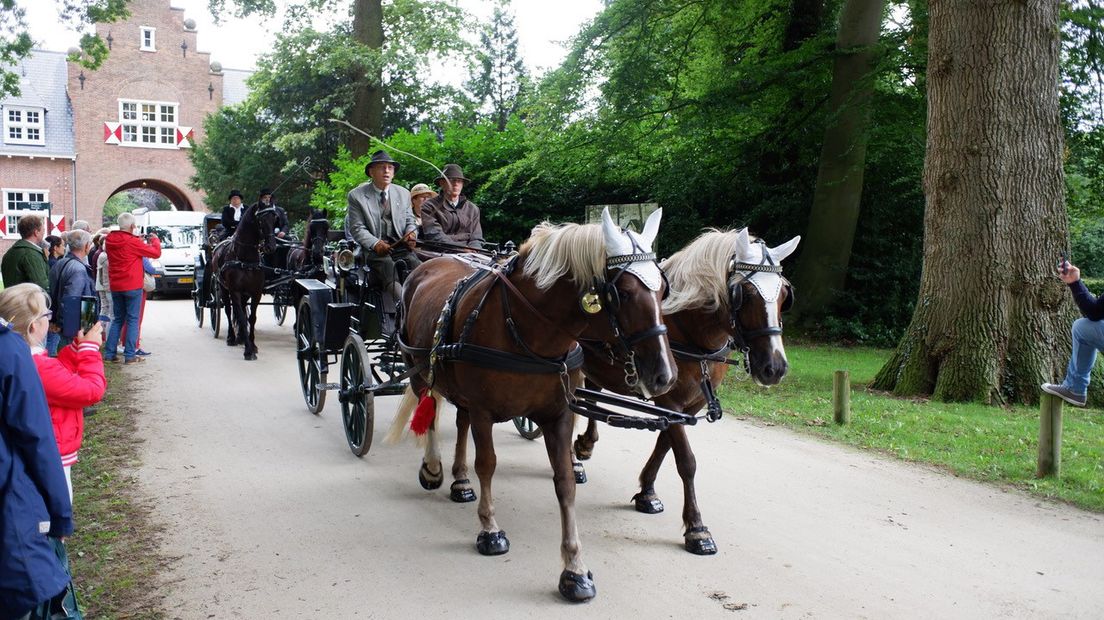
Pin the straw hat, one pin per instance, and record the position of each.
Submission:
(421, 188)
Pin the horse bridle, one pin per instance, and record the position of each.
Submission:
(740, 336)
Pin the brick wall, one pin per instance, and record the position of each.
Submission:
(164, 75)
(40, 173)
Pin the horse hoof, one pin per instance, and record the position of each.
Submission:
(580, 473)
(428, 479)
(703, 545)
(492, 543)
(249, 357)
(577, 588)
(461, 494)
(231, 343)
(649, 503)
(583, 451)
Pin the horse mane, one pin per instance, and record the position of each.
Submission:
(574, 250)
(698, 273)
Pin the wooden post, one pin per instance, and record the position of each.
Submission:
(841, 397)
(1050, 437)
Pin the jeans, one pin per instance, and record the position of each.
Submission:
(127, 305)
(1088, 338)
(53, 341)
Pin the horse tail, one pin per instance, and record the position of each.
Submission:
(402, 416)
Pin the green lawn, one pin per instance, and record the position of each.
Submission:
(987, 443)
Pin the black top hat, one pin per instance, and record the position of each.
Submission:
(233, 193)
(265, 192)
(381, 157)
(453, 171)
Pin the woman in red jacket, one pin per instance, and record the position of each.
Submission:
(73, 380)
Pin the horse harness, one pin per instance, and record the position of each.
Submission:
(528, 362)
(259, 248)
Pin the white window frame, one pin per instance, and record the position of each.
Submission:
(23, 125)
(135, 123)
(142, 31)
(12, 215)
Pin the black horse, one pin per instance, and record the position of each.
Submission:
(313, 250)
(240, 275)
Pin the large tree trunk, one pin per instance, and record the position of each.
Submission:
(991, 321)
(368, 101)
(822, 267)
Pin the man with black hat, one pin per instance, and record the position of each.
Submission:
(380, 220)
(231, 213)
(449, 217)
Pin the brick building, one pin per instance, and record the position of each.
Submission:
(74, 137)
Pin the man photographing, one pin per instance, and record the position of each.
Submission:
(1088, 338)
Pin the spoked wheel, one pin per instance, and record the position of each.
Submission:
(310, 358)
(279, 311)
(216, 310)
(198, 308)
(358, 407)
(527, 428)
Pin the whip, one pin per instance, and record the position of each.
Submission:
(440, 173)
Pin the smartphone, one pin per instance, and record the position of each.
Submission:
(1063, 262)
(88, 313)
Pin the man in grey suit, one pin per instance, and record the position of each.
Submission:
(381, 221)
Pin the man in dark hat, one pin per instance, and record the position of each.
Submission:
(380, 220)
(231, 213)
(449, 217)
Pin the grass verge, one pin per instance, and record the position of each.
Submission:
(114, 551)
(993, 444)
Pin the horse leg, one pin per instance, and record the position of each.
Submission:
(584, 444)
(698, 539)
(461, 490)
(250, 342)
(241, 320)
(432, 474)
(228, 308)
(576, 582)
(646, 500)
(491, 539)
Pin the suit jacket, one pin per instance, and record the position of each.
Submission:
(460, 226)
(228, 221)
(362, 217)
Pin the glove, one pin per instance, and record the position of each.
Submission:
(382, 248)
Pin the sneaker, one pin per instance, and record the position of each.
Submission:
(1061, 391)
(134, 360)
(111, 360)
(142, 352)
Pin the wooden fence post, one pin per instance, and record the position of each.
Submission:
(1050, 437)
(841, 397)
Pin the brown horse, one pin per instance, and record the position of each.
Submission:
(313, 250)
(523, 319)
(241, 277)
(727, 294)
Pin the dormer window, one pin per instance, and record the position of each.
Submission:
(24, 125)
(149, 39)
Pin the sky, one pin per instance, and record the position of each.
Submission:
(542, 26)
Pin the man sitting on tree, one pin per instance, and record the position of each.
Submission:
(1088, 338)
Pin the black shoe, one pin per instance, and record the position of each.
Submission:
(1061, 391)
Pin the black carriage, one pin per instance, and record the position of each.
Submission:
(348, 318)
(279, 279)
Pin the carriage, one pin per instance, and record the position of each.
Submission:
(279, 279)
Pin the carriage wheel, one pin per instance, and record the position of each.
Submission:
(527, 428)
(216, 310)
(309, 355)
(279, 311)
(358, 410)
(198, 308)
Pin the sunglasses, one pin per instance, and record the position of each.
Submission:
(49, 315)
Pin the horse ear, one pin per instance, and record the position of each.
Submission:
(742, 243)
(651, 228)
(781, 252)
(611, 232)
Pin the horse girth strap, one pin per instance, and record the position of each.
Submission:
(505, 361)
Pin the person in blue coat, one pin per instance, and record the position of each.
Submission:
(34, 500)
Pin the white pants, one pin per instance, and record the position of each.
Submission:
(69, 481)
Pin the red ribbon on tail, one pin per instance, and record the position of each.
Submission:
(424, 413)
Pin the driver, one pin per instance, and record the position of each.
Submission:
(380, 219)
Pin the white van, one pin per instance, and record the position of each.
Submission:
(181, 235)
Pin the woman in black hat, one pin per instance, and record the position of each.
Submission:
(231, 213)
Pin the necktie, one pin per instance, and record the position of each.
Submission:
(385, 205)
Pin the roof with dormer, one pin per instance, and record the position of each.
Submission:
(43, 79)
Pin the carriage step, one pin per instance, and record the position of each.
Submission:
(329, 386)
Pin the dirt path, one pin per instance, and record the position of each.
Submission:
(272, 517)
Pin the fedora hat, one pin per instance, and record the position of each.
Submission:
(233, 193)
(421, 188)
(265, 192)
(453, 171)
(381, 157)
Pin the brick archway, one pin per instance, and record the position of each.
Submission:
(175, 195)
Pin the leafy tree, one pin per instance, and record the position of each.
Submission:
(16, 42)
(501, 76)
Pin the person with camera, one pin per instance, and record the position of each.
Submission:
(1088, 338)
(69, 278)
(124, 259)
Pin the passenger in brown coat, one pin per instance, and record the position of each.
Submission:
(450, 217)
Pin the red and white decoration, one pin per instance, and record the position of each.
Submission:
(113, 133)
(57, 225)
(184, 137)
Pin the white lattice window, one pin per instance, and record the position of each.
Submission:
(150, 124)
(148, 42)
(24, 125)
(15, 205)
